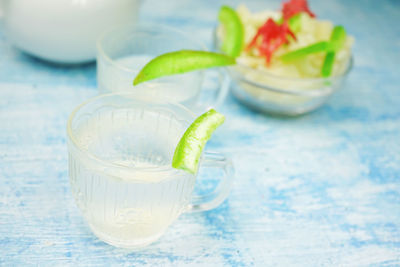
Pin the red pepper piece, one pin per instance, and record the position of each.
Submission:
(293, 7)
(272, 36)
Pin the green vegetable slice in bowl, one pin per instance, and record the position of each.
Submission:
(335, 43)
(233, 40)
(328, 64)
(188, 151)
(338, 37)
(180, 62)
(295, 23)
(307, 50)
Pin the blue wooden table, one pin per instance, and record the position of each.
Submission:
(321, 189)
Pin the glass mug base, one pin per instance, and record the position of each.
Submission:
(136, 243)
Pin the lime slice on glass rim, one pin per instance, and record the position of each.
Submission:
(233, 41)
(188, 151)
(179, 62)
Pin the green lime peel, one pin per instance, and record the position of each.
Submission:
(179, 62)
(188, 151)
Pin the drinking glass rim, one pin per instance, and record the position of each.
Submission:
(90, 155)
(134, 26)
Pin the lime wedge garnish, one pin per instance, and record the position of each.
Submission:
(188, 151)
(234, 33)
(307, 50)
(180, 62)
(338, 37)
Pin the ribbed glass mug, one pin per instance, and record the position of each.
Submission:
(120, 153)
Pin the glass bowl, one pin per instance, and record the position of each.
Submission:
(269, 93)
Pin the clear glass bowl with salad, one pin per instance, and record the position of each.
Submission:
(288, 62)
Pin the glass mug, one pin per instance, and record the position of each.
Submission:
(123, 51)
(120, 153)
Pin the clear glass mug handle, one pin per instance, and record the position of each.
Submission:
(220, 90)
(220, 193)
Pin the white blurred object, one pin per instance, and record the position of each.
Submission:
(63, 31)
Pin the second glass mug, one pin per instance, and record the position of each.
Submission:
(123, 51)
(120, 154)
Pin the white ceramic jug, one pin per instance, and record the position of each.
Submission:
(63, 31)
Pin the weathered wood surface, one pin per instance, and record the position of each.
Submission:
(322, 189)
